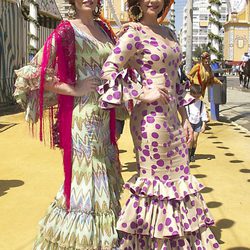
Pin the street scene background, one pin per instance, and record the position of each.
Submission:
(31, 173)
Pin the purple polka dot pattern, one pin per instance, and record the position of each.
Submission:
(165, 209)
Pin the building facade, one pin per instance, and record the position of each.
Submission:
(201, 25)
(237, 35)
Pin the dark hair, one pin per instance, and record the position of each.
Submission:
(195, 89)
(132, 3)
(71, 2)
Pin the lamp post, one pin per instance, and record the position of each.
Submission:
(189, 43)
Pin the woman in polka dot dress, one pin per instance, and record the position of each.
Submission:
(165, 209)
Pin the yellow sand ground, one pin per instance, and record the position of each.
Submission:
(31, 174)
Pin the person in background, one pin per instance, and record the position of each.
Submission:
(197, 116)
(202, 74)
(245, 57)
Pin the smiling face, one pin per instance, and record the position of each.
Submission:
(85, 5)
(151, 8)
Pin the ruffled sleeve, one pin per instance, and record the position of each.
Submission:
(120, 85)
(28, 82)
(183, 97)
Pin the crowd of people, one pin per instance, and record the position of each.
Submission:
(90, 73)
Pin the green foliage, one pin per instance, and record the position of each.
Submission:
(213, 20)
(212, 36)
(199, 50)
(215, 13)
(215, 2)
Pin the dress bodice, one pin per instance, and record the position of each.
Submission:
(90, 54)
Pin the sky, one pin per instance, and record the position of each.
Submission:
(179, 6)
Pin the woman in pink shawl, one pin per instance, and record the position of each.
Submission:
(84, 212)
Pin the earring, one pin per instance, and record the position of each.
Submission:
(71, 12)
(97, 11)
(135, 13)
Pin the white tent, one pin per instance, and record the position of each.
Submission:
(15, 37)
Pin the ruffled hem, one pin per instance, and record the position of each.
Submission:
(77, 229)
(170, 189)
(46, 245)
(164, 218)
(202, 239)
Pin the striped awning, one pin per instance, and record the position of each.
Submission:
(46, 8)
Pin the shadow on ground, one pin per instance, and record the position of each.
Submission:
(200, 176)
(238, 248)
(215, 124)
(245, 171)
(229, 154)
(6, 185)
(5, 125)
(221, 147)
(121, 151)
(236, 161)
(221, 224)
(195, 166)
(206, 190)
(10, 109)
(129, 167)
(204, 156)
(214, 204)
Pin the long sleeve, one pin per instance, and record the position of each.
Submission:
(120, 84)
(191, 75)
(183, 98)
(28, 82)
(216, 81)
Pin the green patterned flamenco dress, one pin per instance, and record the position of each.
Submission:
(96, 180)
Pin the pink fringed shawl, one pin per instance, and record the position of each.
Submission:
(64, 40)
(64, 64)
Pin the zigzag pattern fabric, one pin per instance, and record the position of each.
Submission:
(96, 180)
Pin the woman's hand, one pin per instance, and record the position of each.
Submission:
(188, 130)
(86, 86)
(154, 94)
(125, 27)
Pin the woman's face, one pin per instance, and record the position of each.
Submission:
(206, 60)
(85, 5)
(151, 7)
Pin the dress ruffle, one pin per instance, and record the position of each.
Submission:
(61, 230)
(183, 97)
(161, 190)
(119, 89)
(201, 239)
(161, 214)
(27, 90)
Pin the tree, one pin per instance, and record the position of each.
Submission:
(214, 37)
(199, 50)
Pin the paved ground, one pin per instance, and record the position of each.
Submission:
(237, 108)
(31, 175)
